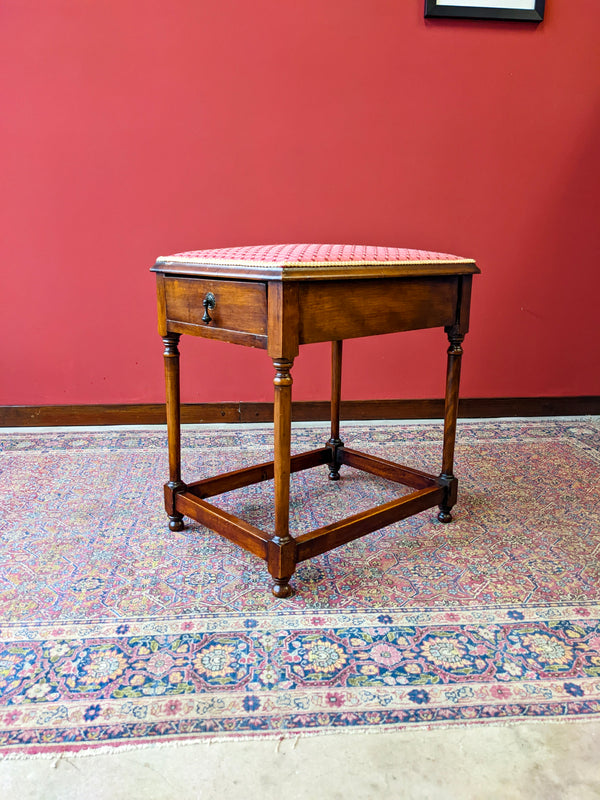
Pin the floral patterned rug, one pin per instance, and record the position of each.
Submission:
(114, 630)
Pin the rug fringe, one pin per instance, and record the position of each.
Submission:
(86, 751)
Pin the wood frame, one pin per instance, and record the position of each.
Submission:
(278, 312)
(430, 491)
(489, 10)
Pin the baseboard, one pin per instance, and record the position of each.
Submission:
(303, 411)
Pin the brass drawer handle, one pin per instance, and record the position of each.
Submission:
(208, 302)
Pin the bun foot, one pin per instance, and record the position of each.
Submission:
(176, 523)
(334, 473)
(281, 589)
(445, 515)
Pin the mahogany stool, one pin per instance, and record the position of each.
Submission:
(281, 296)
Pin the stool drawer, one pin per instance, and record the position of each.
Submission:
(215, 304)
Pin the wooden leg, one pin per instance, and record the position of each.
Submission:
(171, 356)
(282, 548)
(455, 352)
(336, 394)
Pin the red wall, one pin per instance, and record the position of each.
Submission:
(134, 128)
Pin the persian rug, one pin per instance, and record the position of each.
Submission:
(115, 631)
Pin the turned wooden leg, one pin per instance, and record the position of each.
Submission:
(171, 356)
(336, 395)
(282, 548)
(455, 352)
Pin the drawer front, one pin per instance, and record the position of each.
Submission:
(216, 305)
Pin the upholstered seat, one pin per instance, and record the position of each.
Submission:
(305, 261)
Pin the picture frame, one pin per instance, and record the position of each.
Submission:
(524, 10)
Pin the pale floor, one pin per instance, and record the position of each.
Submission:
(549, 761)
(533, 761)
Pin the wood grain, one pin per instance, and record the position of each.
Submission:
(237, 479)
(220, 334)
(239, 305)
(346, 530)
(282, 432)
(283, 321)
(308, 271)
(369, 308)
(242, 533)
(387, 469)
(302, 411)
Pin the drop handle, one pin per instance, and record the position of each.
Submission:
(209, 302)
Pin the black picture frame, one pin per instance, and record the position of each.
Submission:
(488, 11)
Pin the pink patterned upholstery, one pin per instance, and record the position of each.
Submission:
(306, 255)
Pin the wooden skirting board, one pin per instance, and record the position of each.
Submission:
(303, 411)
